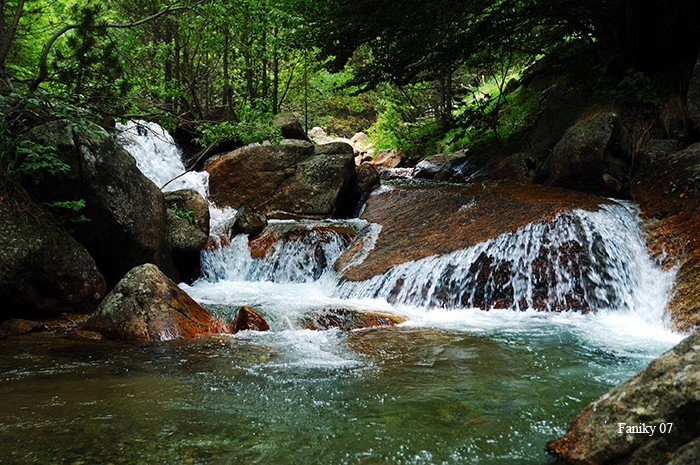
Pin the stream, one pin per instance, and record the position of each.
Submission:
(451, 385)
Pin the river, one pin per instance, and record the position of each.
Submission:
(451, 385)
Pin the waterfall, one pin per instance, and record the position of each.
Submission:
(588, 261)
(580, 260)
(159, 158)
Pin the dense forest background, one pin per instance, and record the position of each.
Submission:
(420, 76)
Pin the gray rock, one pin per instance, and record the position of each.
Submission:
(183, 235)
(248, 220)
(285, 178)
(333, 147)
(126, 210)
(290, 126)
(583, 154)
(667, 391)
(146, 305)
(189, 200)
(42, 268)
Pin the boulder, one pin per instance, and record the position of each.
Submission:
(333, 147)
(667, 187)
(386, 159)
(584, 159)
(348, 320)
(290, 126)
(693, 97)
(191, 201)
(449, 166)
(520, 167)
(248, 319)
(248, 220)
(360, 142)
(147, 306)
(366, 180)
(285, 179)
(665, 393)
(126, 211)
(43, 270)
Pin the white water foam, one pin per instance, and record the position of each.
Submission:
(159, 158)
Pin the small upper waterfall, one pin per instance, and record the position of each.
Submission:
(159, 158)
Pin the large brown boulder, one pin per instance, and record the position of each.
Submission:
(284, 180)
(666, 184)
(146, 306)
(416, 223)
(126, 211)
(654, 418)
(43, 270)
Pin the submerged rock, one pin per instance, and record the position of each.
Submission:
(248, 319)
(348, 320)
(146, 305)
(19, 326)
(617, 428)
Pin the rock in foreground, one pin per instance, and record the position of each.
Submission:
(146, 305)
(666, 393)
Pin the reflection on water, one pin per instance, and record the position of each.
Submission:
(390, 395)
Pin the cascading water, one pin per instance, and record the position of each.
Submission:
(452, 385)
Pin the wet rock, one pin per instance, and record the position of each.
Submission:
(366, 180)
(43, 270)
(286, 179)
(386, 159)
(667, 187)
(667, 391)
(192, 202)
(520, 167)
(182, 235)
(411, 224)
(126, 210)
(146, 305)
(290, 126)
(19, 326)
(81, 335)
(583, 155)
(449, 166)
(248, 319)
(348, 320)
(248, 220)
(313, 234)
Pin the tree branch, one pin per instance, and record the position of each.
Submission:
(43, 69)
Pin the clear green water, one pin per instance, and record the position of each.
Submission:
(406, 395)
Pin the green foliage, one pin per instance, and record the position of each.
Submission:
(87, 67)
(68, 212)
(184, 214)
(255, 126)
(635, 88)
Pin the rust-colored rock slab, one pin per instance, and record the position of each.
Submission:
(435, 220)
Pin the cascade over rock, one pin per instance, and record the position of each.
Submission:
(667, 391)
(43, 270)
(284, 180)
(146, 305)
(126, 210)
(487, 246)
(348, 320)
(421, 222)
(666, 184)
